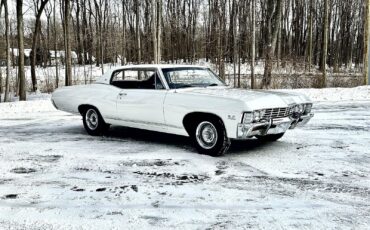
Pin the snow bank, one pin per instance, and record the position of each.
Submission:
(35, 104)
(360, 93)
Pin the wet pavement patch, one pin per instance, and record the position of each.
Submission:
(134, 187)
(179, 179)
(115, 213)
(77, 189)
(82, 169)
(3, 181)
(101, 189)
(22, 170)
(11, 196)
(319, 173)
(43, 158)
(150, 163)
(219, 172)
(48, 158)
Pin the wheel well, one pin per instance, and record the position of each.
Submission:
(191, 119)
(83, 108)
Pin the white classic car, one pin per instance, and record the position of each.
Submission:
(184, 100)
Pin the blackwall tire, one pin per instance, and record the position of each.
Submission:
(94, 123)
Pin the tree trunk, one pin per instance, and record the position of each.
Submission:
(138, 41)
(159, 30)
(235, 44)
(34, 42)
(271, 38)
(325, 43)
(253, 43)
(310, 36)
(123, 54)
(20, 31)
(7, 51)
(366, 42)
(78, 34)
(68, 56)
(55, 47)
(154, 30)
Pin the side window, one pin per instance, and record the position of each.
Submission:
(136, 79)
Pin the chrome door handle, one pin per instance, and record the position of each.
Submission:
(122, 94)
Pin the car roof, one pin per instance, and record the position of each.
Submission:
(106, 76)
(161, 66)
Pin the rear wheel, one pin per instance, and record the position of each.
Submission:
(209, 137)
(271, 137)
(93, 122)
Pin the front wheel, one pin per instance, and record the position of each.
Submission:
(94, 122)
(209, 137)
(271, 137)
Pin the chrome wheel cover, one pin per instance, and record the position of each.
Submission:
(92, 119)
(206, 135)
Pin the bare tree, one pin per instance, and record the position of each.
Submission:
(138, 40)
(123, 46)
(225, 32)
(39, 8)
(55, 46)
(156, 29)
(310, 34)
(273, 22)
(7, 51)
(253, 43)
(366, 42)
(20, 30)
(233, 20)
(325, 43)
(67, 42)
(1, 72)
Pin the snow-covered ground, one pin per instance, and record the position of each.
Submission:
(54, 176)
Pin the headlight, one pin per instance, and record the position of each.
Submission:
(308, 108)
(247, 118)
(250, 117)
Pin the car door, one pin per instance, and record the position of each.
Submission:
(140, 101)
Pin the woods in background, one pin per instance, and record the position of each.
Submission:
(314, 35)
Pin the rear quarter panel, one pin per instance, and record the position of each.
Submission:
(102, 96)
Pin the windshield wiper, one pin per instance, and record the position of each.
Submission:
(214, 84)
(184, 86)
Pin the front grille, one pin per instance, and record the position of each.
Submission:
(275, 113)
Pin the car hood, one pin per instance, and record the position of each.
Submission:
(254, 99)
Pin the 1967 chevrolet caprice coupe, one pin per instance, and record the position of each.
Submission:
(184, 100)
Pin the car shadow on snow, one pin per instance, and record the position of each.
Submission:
(146, 136)
(151, 137)
(245, 146)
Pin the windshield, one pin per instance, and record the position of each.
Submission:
(191, 77)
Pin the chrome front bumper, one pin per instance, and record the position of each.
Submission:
(273, 126)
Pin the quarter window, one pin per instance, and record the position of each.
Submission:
(136, 79)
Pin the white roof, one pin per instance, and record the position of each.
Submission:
(61, 53)
(160, 66)
(106, 77)
(58, 54)
(27, 52)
